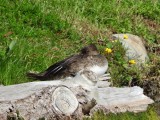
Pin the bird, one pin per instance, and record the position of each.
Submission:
(88, 59)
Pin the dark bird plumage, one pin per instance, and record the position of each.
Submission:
(88, 58)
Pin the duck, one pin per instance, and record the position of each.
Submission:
(88, 59)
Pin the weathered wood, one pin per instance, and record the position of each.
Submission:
(121, 99)
(68, 98)
(64, 101)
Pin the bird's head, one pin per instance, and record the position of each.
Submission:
(90, 50)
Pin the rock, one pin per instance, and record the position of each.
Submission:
(134, 46)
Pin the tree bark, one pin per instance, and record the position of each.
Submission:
(67, 100)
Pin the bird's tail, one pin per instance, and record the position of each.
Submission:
(35, 76)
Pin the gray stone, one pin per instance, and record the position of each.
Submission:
(134, 46)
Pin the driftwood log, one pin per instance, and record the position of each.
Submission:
(68, 99)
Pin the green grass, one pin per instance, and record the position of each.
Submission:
(149, 115)
(35, 34)
(40, 39)
(117, 15)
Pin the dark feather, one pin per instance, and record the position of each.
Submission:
(35, 76)
(60, 66)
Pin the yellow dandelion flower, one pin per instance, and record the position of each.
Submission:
(132, 62)
(125, 36)
(108, 50)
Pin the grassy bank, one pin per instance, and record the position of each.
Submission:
(34, 34)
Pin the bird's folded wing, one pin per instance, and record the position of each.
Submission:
(60, 66)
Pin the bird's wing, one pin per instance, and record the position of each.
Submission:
(60, 66)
